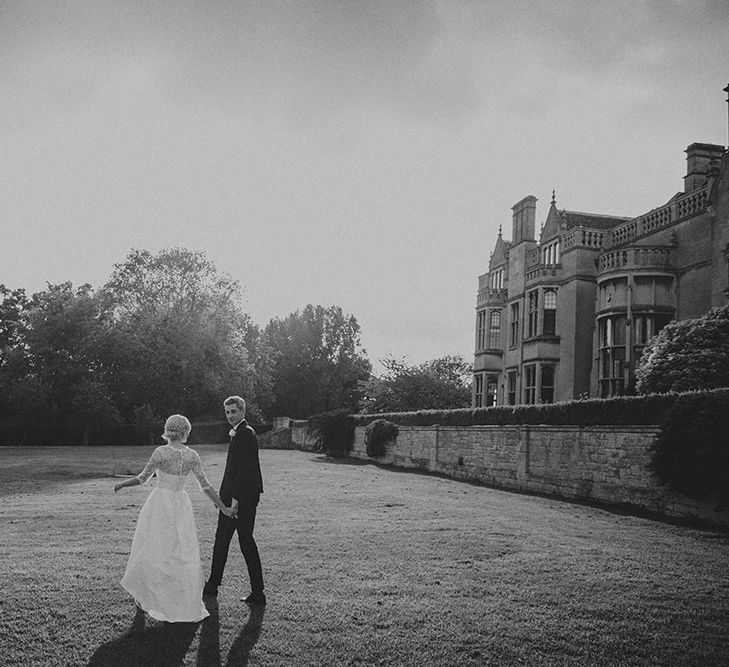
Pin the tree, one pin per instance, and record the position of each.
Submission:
(51, 369)
(13, 304)
(687, 355)
(317, 361)
(13, 366)
(182, 336)
(439, 384)
(62, 327)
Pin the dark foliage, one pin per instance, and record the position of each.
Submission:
(620, 411)
(333, 432)
(443, 383)
(691, 453)
(33, 434)
(315, 363)
(377, 434)
(687, 355)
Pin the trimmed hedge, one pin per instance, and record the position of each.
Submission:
(646, 410)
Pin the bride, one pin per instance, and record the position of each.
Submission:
(164, 574)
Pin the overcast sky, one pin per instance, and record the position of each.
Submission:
(352, 153)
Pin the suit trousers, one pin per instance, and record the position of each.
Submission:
(224, 534)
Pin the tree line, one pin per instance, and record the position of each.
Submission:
(166, 333)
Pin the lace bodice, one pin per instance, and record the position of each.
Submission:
(175, 461)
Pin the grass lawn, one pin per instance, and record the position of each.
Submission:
(363, 566)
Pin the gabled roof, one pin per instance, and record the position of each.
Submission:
(552, 225)
(591, 220)
(558, 221)
(500, 251)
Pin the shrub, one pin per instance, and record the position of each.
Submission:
(377, 434)
(687, 355)
(691, 453)
(333, 432)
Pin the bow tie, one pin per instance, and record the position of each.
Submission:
(232, 432)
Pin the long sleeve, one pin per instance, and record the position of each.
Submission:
(151, 467)
(199, 472)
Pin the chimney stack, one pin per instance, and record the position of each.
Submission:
(698, 160)
(523, 219)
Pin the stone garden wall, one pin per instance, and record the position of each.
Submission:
(600, 464)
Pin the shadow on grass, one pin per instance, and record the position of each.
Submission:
(162, 645)
(239, 653)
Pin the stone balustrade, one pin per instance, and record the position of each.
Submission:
(638, 257)
(583, 238)
(542, 271)
(682, 207)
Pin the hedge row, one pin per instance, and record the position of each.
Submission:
(648, 410)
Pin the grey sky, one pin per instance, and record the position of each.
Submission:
(361, 154)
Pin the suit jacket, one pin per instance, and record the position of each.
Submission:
(242, 478)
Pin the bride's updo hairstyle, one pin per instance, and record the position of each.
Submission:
(177, 427)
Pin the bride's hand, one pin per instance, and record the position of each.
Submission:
(229, 512)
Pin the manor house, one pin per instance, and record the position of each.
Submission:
(567, 315)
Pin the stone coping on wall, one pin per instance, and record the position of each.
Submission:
(602, 464)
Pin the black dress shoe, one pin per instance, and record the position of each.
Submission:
(210, 591)
(255, 598)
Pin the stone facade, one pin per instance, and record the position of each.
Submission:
(567, 315)
(603, 464)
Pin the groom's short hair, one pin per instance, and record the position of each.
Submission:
(236, 400)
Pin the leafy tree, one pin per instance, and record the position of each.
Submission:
(62, 327)
(317, 361)
(51, 369)
(439, 384)
(13, 366)
(182, 336)
(13, 304)
(687, 355)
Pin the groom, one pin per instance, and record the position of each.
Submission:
(241, 488)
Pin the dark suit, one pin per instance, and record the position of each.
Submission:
(242, 481)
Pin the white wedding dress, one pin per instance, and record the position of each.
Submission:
(164, 574)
